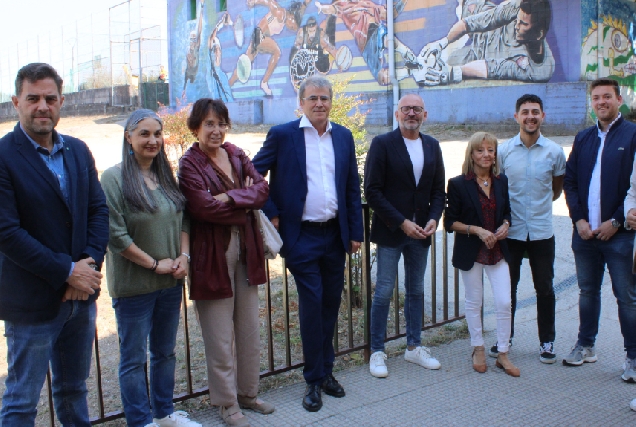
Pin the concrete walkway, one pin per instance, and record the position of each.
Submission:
(546, 395)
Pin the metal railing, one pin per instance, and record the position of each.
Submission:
(362, 264)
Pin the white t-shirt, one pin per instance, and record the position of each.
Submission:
(416, 153)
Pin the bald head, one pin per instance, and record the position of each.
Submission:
(408, 118)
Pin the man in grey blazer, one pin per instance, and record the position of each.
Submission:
(404, 185)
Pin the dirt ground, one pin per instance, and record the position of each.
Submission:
(104, 134)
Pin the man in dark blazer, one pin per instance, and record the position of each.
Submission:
(314, 201)
(597, 179)
(53, 236)
(404, 185)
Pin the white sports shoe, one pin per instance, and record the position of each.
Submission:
(377, 367)
(422, 356)
(176, 419)
(632, 405)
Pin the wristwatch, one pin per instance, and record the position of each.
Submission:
(615, 223)
(186, 255)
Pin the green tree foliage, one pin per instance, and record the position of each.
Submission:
(177, 137)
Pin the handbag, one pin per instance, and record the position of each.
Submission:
(271, 239)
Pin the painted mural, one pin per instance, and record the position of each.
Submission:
(266, 48)
(609, 42)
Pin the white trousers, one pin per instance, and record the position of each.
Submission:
(499, 277)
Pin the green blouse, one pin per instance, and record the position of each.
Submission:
(158, 234)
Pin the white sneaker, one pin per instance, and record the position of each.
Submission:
(632, 405)
(176, 419)
(377, 367)
(422, 356)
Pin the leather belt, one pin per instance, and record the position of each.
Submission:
(328, 223)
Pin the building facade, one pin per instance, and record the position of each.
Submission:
(469, 59)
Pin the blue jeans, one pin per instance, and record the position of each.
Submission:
(591, 256)
(154, 315)
(66, 341)
(415, 258)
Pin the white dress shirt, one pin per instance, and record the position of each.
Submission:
(321, 203)
(594, 197)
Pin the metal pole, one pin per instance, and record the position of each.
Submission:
(140, 79)
(110, 46)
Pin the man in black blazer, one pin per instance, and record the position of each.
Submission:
(314, 201)
(404, 185)
(53, 236)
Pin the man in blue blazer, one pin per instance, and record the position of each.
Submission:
(404, 185)
(53, 236)
(596, 182)
(314, 201)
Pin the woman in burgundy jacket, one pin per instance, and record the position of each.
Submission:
(222, 188)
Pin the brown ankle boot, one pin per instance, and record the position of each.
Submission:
(479, 359)
(504, 363)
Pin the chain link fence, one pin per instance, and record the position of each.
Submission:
(124, 45)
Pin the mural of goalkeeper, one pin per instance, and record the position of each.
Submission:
(507, 42)
(366, 21)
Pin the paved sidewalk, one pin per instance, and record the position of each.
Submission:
(546, 395)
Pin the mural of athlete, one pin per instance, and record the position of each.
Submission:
(192, 55)
(507, 42)
(316, 46)
(366, 21)
(218, 83)
(272, 24)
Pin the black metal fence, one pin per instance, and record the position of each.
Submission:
(351, 335)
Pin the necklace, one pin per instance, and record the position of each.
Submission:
(483, 182)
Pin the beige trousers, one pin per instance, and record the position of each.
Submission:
(231, 335)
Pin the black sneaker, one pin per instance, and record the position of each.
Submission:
(546, 352)
(493, 352)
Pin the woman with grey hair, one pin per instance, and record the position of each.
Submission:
(146, 263)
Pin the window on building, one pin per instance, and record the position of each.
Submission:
(193, 9)
(222, 5)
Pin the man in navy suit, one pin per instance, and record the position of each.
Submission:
(597, 178)
(404, 185)
(314, 201)
(53, 236)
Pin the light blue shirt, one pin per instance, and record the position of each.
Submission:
(54, 160)
(530, 172)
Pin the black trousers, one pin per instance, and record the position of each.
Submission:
(541, 256)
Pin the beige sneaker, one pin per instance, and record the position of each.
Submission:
(233, 416)
(256, 405)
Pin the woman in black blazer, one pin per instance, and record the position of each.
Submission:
(479, 213)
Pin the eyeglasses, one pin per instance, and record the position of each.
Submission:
(314, 98)
(311, 24)
(221, 126)
(416, 109)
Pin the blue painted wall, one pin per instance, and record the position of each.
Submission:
(211, 56)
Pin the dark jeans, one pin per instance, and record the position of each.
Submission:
(541, 256)
(154, 318)
(591, 257)
(66, 342)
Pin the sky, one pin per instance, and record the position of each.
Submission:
(71, 34)
(25, 19)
